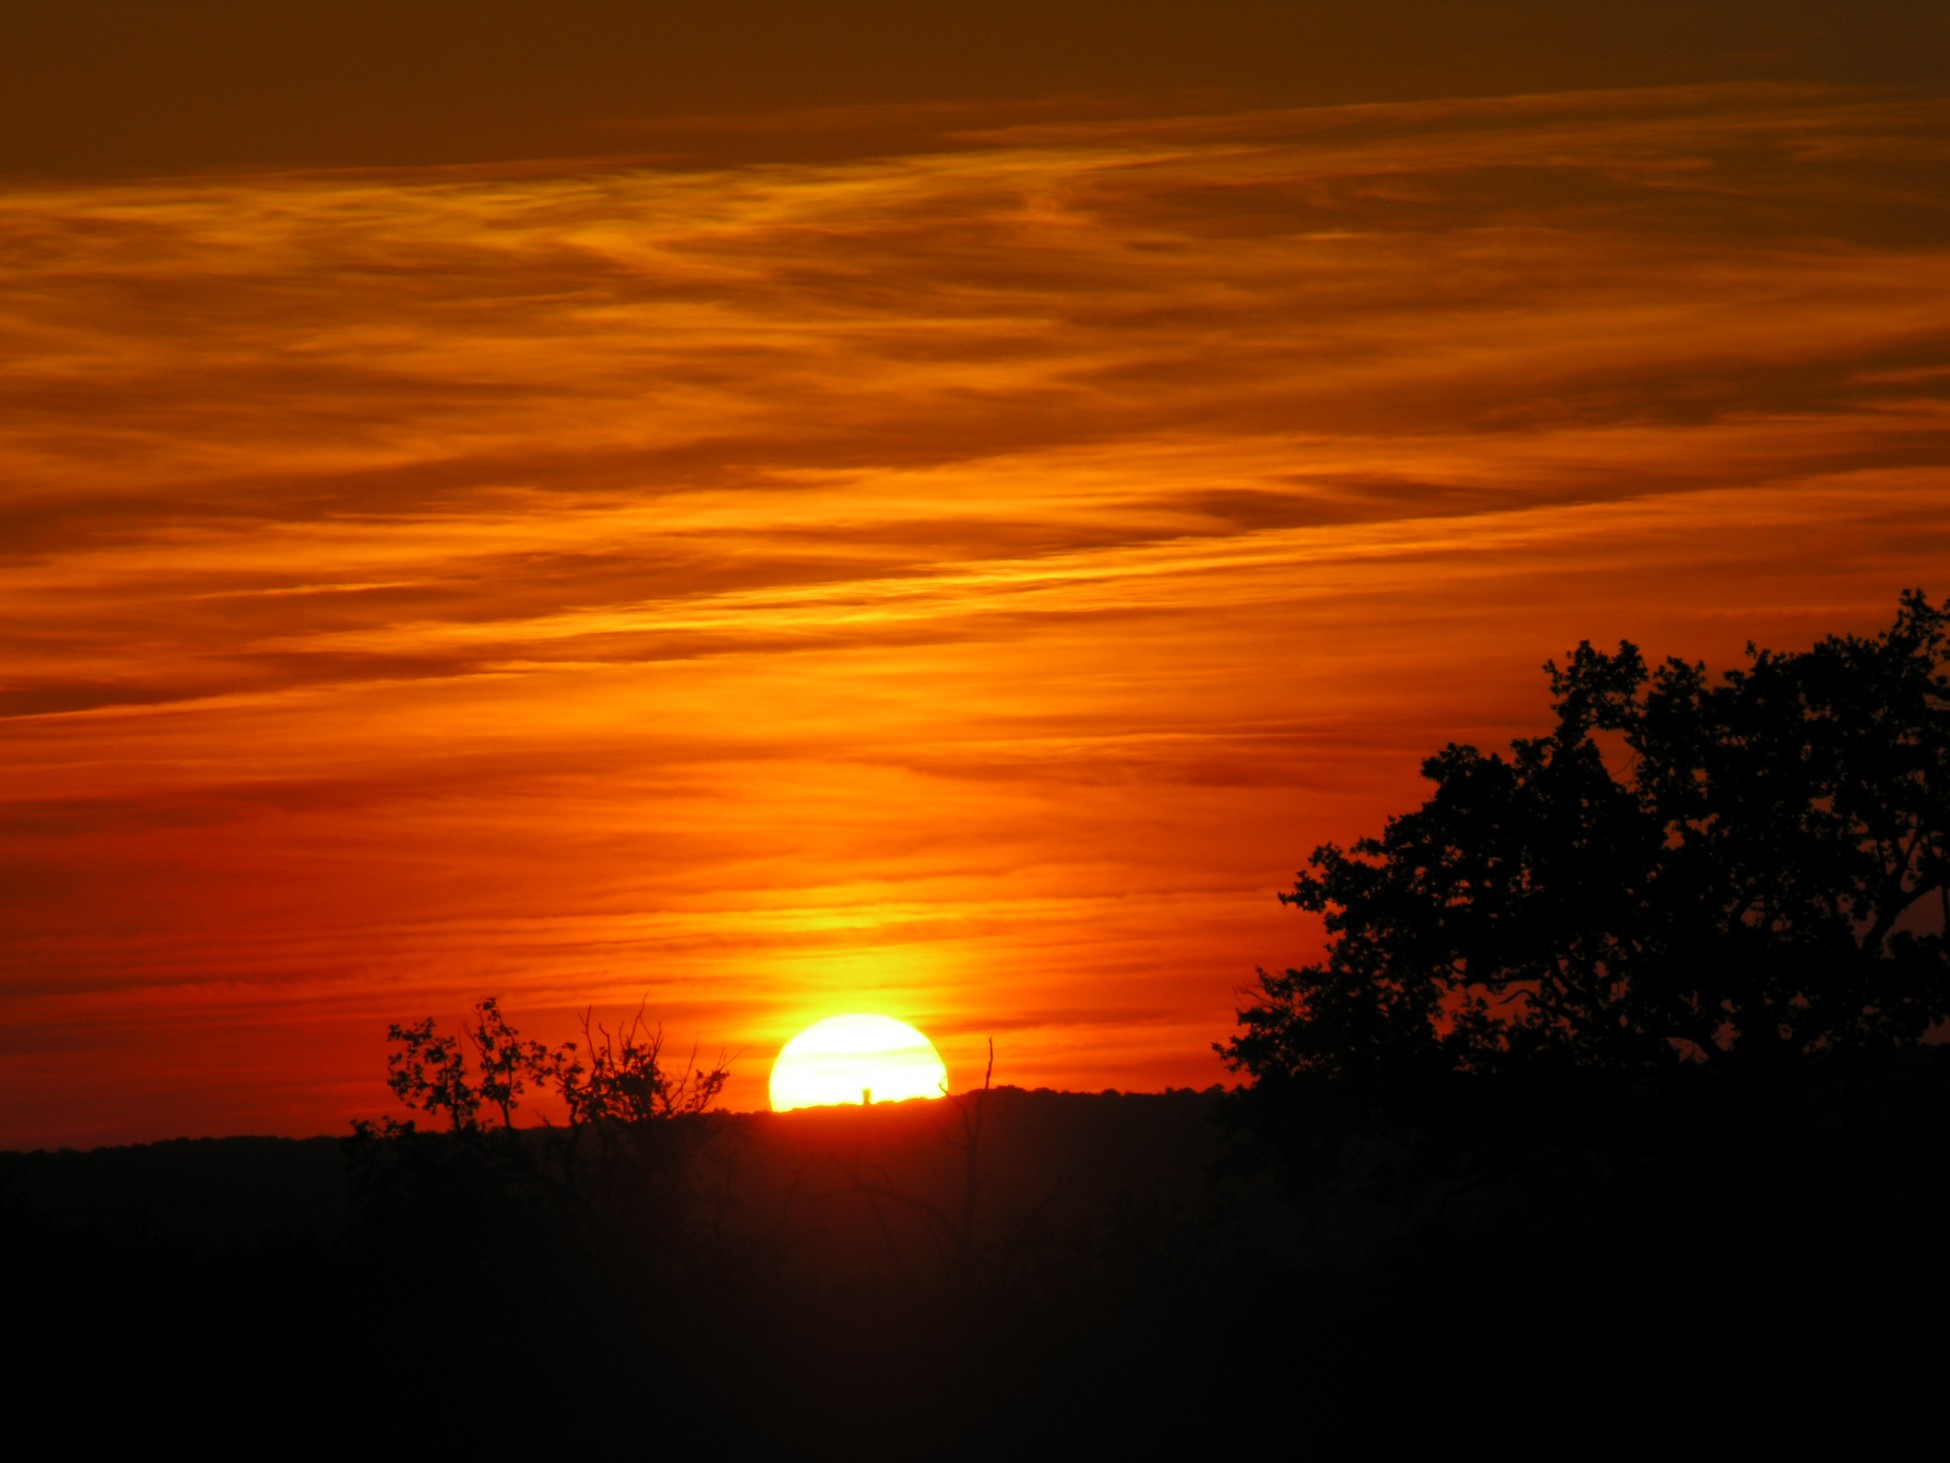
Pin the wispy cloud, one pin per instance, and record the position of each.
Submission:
(969, 579)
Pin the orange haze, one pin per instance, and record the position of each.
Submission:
(957, 572)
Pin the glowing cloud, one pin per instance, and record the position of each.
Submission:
(994, 560)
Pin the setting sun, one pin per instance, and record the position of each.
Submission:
(856, 1059)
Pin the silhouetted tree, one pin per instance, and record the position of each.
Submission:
(553, 1214)
(608, 1081)
(612, 1156)
(1738, 872)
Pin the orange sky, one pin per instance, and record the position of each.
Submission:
(950, 555)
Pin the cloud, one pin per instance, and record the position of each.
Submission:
(998, 559)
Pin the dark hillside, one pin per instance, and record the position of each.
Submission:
(828, 1283)
(1068, 1156)
(206, 1192)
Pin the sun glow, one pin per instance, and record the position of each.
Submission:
(856, 1059)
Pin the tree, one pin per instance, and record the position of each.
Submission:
(1740, 873)
(609, 1081)
(575, 1251)
(610, 1159)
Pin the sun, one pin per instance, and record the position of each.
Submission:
(856, 1059)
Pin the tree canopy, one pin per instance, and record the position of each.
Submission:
(611, 1157)
(1738, 871)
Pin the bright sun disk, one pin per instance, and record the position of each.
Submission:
(856, 1059)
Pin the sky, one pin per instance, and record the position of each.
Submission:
(932, 510)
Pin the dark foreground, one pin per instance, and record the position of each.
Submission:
(849, 1284)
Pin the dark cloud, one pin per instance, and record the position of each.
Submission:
(119, 87)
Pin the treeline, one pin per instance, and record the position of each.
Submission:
(803, 1281)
